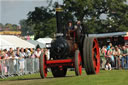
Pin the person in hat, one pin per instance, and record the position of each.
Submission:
(116, 54)
(38, 51)
(71, 31)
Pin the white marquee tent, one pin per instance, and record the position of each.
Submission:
(35, 43)
(5, 44)
(14, 41)
(44, 40)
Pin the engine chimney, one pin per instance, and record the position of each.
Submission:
(59, 12)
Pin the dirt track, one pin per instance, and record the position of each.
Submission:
(26, 82)
(34, 81)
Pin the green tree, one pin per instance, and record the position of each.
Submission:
(8, 26)
(14, 27)
(50, 27)
(90, 11)
(25, 28)
(43, 21)
(118, 15)
(1, 26)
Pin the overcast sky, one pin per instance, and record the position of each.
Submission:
(12, 11)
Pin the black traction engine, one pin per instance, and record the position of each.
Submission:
(67, 52)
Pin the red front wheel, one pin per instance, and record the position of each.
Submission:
(78, 63)
(43, 66)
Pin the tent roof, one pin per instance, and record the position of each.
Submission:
(44, 40)
(17, 41)
(34, 42)
(5, 44)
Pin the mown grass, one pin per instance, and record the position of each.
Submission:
(114, 77)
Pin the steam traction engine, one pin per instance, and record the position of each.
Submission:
(83, 52)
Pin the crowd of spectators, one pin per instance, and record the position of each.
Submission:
(111, 56)
(19, 54)
(114, 57)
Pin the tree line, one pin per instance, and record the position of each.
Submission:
(98, 16)
(9, 27)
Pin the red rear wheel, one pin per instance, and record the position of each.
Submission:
(91, 55)
(96, 56)
(43, 66)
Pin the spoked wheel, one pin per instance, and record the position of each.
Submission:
(91, 55)
(78, 63)
(57, 72)
(43, 66)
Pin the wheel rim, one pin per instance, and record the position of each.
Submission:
(44, 66)
(96, 56)
(80, 63)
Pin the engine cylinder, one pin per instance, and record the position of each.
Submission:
(60, 48)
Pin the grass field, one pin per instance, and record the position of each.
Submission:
(114, 77)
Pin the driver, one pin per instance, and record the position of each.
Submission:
(71, 31)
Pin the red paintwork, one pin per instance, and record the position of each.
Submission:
(96, 58)
(44, 65)
(60, 61)
(125, 38)
(80, 63)
(64, 62)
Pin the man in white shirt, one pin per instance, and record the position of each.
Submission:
(21, 61)
(37, 53)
